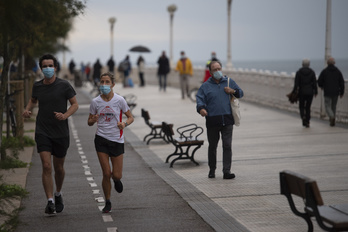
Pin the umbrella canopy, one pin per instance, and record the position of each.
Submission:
(139, 49)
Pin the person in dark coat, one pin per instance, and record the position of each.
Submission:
(72, 66)
(96, 72)
(332, 82)
(306, 85)
(111, 65)
(163, 70)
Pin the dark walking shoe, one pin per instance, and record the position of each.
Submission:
(118, 186)
(59, 203)
(332, 121)
(107, 207)
(211, 174)
(50, 209)
(229, 176)
(303, 122)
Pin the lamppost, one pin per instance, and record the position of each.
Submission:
(328, 31)
(229, 60)
(112, 21)
(171, 9)
(327, 49)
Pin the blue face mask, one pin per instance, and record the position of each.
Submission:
(217, 75)
(105, 89)
(48, 72)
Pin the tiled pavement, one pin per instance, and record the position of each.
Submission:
(267, 142)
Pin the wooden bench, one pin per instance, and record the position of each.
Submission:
(156, 128)
(329, 217)
(188, 137)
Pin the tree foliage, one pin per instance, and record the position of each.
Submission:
(31, 28)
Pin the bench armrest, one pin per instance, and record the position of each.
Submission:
(190, 131)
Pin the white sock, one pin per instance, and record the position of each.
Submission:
(57, 194)
(51, 199)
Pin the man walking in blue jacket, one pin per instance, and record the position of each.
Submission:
(213, 103)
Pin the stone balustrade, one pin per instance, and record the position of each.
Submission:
(261, 87)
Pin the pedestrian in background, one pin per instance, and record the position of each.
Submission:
(52, 130)
(332, 82)
(163, 70)
(111, 65)
(88, 71)
(213, 103)
(207, 72)
(96, 72)
(106, 110)
(184, 67)
(141, 70)
(125, 68)
(72, 66)
(306, 86)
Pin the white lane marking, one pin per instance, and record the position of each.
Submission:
(107, 218)
(93, 185)
(99, 199)
(96, 191)
(84, 106)
(87, 171)
(112, 229)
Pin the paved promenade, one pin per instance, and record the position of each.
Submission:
(267, 142)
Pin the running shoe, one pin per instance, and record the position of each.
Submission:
(59, 203)
(50, 209)
(107, 207)
(118, 186)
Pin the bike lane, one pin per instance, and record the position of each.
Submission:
(146, 204)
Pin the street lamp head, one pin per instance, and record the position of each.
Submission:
(172, 8)
(112, 20)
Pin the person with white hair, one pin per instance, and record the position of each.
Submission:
(306, 87)
(332, 82)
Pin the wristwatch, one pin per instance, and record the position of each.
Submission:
(126, 123)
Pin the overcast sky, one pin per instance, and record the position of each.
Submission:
(261, 29)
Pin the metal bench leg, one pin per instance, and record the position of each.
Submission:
(173, 154)
(186, 155)
(193, 154)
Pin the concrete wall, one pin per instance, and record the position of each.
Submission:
(259, 87)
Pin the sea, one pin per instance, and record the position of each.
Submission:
(291, 66)
(288, 66)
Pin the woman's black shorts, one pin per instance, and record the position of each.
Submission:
(111, 148)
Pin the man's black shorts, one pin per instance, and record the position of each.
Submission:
(57, 146)
(111, 148)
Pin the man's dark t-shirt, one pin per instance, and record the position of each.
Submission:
(52, 98)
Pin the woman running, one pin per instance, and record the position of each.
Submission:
(107, 110)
